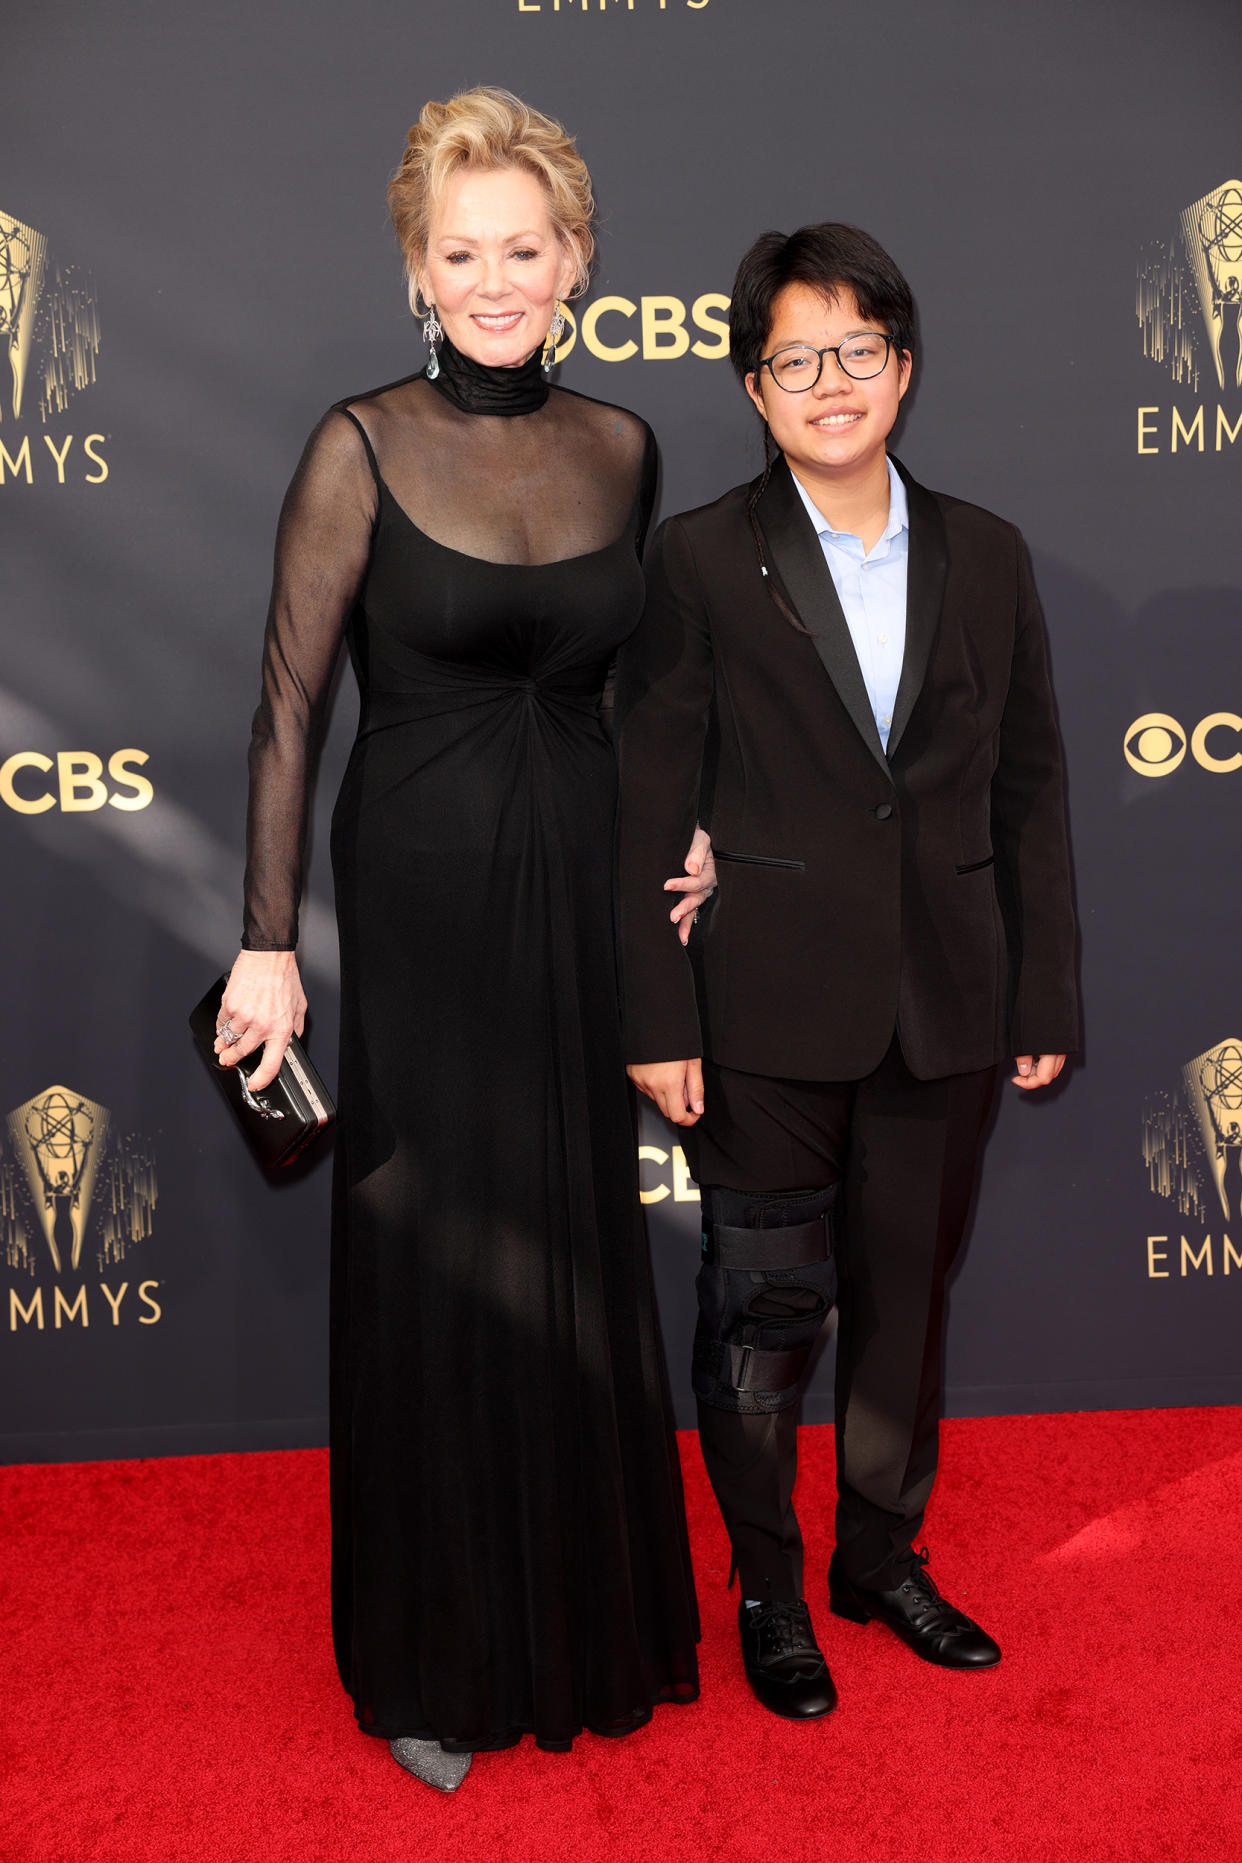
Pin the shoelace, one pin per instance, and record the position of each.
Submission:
(784, 1630)
(922, 1589)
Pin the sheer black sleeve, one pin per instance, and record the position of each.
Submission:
(645, 504)
(648, 480)
(322, 547)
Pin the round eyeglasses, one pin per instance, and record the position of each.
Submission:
(797, 366)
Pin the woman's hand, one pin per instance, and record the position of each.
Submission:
(698, 886)
(263, 1004)
(676, 1087)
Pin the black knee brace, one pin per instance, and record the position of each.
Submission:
(767, 1283)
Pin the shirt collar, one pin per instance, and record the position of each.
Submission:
(898, 508)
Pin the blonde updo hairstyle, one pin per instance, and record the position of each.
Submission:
(487, 128)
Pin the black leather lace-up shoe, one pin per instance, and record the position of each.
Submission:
(783, 1662)
(935, 1629)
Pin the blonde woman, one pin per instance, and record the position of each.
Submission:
(509, 1548)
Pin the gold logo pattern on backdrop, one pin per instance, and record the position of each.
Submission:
(1190, 294)
(614, 7)
(1192, 1146)
(653, 327)
(1212, 1083)
(23, 261)
(1212, 239)
(58, 1137)
(1189, 309)
(1156, 744)
(49, 320)
(66, 1169)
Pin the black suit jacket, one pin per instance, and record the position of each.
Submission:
(926, 890)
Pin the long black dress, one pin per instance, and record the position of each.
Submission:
(508, 1533)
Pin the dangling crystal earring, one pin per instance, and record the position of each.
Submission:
(556, 330)
(431, 336)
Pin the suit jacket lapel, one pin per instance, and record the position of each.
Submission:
(926, 570)
(797, 558)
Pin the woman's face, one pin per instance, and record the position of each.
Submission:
(838, 427)
(494, 266)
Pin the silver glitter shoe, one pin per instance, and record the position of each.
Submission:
(428, 1761)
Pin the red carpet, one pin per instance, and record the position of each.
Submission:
(171, 1696)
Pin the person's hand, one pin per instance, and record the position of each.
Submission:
(676, 1087)
(1037, 1070)
(696, 888)
(263, 1004)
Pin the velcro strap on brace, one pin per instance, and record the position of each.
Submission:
(753, 1370)
(761, 1249)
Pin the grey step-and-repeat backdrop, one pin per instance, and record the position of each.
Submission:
(195, 261)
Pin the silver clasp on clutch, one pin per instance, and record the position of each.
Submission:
(257, 1106)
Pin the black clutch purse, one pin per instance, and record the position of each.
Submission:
(281, 1121)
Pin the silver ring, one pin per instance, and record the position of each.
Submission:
(228, 1034)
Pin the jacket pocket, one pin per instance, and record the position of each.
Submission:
(977, 866)
(759, 860)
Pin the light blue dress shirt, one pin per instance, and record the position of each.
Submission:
(872, 590)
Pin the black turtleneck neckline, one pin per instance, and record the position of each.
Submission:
(477, 389)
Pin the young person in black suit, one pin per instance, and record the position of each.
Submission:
(846, 676)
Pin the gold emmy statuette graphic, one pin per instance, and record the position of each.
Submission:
(1212, 236)
(66, 1168)
(58, 1135)
(1213, 1083)
(23, 261)
(48, 318)
(1192, 1136)
(67, 1174)
(1189, 300)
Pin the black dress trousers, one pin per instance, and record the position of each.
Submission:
(905, 1151)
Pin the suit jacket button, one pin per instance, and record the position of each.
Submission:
(884, 811)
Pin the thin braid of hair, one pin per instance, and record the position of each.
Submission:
(769, 460)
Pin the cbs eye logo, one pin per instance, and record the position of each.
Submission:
(1156, 745)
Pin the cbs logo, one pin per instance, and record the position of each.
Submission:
(1155, 744)
(660, 329)
(78, 786)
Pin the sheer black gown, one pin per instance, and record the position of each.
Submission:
(508, 1534)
